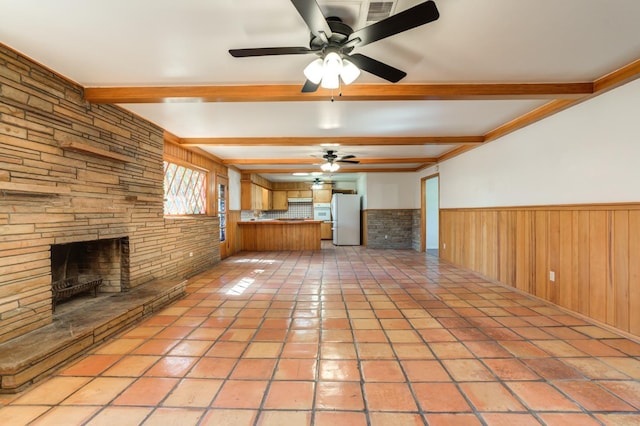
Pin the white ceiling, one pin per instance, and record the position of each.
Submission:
(143, 43)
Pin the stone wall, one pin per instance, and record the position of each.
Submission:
(72, 171)
(390, 229)
(416, 240)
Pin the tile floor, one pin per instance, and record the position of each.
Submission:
(345, 336)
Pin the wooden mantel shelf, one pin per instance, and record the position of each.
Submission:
(81, 147)
(33, 189)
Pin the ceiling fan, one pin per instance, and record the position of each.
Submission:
(333, 41)
(332, 161)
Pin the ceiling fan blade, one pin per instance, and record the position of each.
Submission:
(310, 87)
(313, 17)
(269, 51)
(349, 161)
(378, 68)
(413, 17)
(346, 157)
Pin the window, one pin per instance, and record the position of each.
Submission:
(185, 190)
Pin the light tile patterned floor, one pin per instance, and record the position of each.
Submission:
(345, 336)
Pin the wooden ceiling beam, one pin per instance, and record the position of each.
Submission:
(356, 92)
(335, 141)
(343, 169)
(288, 161)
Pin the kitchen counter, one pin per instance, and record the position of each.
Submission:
(279, 234)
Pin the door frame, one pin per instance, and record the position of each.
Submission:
(423, 210)
(224, 245)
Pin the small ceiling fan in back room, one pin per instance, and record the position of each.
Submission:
(333, 41)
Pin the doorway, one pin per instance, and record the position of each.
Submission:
(430, 186)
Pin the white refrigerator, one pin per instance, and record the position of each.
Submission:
(345, 213)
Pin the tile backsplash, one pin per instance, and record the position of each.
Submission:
(296, 211)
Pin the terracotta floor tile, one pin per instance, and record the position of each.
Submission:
(510, 369)
(212, 368)
(425, 371)
(437, 335)
(628, 366)
(593, 397)
(52, 391)
(467, 370)
(552, 369)
(624, 345)
(625, 389)
(330, 350)
(193, 393)
(119, 346)
(389, 397)
(450, 350)
(541, 396)
(595, 332)
(381, 371)
(300, 350)
(490, 396)
(440, 397)
(370, 336)
(289, 395)
(190, 348)
(375, 351)
(412, 351)
(240, 394)
(174, 333)
(296, 369)
(303, 336)
(171, 366)
(256, 369)
(173, 416)
(365, 324)
(338, 370)
(558, 348)
(146, 391)
(280, 418)
(227, 349)
(121, 416)
(263, 350)
(486, 349)
(523, 349)
(339, 396)
(594, 369)
(238, 335)
(396, 419)
(155, 347)
(206, 333)
(91, 365)
(223, 417)
(21, 415)
(510, 419)
(100, 391)
(452, 420)
(65, 416)
(337, 336)
(632, 419)
(568, 419)
(131, 366)
(339, 418)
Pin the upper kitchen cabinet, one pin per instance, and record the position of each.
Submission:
(322, 195)
(279, 200)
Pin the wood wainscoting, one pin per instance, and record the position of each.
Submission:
(593, 250)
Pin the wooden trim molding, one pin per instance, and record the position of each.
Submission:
(322, 140)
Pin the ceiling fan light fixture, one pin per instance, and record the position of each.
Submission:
(314, 71)
(330, 167)
(349, 72)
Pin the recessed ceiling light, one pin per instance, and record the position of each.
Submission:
(300, 174)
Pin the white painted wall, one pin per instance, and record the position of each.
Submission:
(432, 213)
(589, 153)
(392, 191)
(362, 189)
(234, 189)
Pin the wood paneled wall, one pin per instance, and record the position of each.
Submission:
(594, 251)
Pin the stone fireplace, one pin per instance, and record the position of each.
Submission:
(107, 259)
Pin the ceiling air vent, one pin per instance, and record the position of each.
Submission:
(379, 10)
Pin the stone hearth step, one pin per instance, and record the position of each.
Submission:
(78, 326)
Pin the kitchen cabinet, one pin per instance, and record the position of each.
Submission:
(254, 197)
(325, 231)
(299, 193)
(279, 200)
(321, 195)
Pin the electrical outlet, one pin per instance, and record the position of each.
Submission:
(190, 254)
(552, 276)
